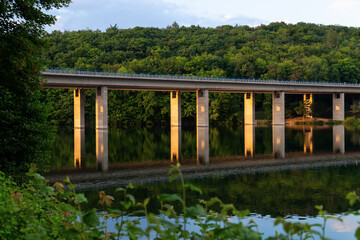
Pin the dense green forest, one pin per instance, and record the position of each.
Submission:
(302, 51)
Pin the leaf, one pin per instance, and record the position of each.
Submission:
(33, 168)
(196, 211)
(132, 198)
(243, 213)
(91, 219)
(193, 188)
(169, 225)
(16, 196)
(59, 187)
(213, 201)
(357, 233)
(226, 208)
(80, 198)
(352, 197)
(173, 177)
(278, 220)
(170, 197)
(119, 189)
(146, 201)
(115, 211)
(174, 168)
(67, 180)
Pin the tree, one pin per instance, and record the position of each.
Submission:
(355, 108)
(304, 108)
(25, 132)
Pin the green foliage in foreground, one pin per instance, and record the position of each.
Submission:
(38, 211)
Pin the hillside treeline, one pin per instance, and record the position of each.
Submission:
(306, 52)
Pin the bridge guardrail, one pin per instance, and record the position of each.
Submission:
(141, 75)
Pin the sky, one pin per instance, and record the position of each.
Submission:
(101, 14)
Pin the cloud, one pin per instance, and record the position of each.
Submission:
(345, 226)
(344, 13)
(94, 14)
(344, 5)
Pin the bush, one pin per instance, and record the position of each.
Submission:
(38, 211)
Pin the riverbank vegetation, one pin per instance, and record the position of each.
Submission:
(37, 211)
(295, 52)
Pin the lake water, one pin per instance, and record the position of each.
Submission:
(272, 171)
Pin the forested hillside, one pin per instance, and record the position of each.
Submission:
(307, 52)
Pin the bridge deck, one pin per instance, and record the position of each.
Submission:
(121, 81)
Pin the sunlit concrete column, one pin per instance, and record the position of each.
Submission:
(279, 141)
(308, 100)
(79, 128)
(339, 106)
(249, 135)
(308, 140)
(79, 108)
(102, 128)
(175, 108)
(339, 139)
(175, 143)
(202, 134)
(202, 108)
(249, 108)
(278, 113)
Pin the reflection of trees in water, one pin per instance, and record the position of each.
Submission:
(138, 144)
(355, 138)
(271, 193)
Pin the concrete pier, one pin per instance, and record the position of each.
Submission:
(249, 139)
(202, 108)
(249, 108)
(308, 100)
(339, 139)
(79, 108)
(278, 109)
(175, 147)
(339, 106)
(175, 108)
(202, 142)
(279, 141)
(102, 128)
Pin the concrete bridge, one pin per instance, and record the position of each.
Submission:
(102, 82)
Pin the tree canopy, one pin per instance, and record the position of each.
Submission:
(25, 133)
(307, 52)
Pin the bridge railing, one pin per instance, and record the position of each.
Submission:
(160, 76)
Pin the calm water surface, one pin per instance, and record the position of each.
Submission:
(272, 172)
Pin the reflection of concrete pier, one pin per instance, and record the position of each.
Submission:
(175, 144)
(102, 128)
(202, 145)
(249, 137)
(339, 139)
(79, 147)
(308, 140)
(279, 141)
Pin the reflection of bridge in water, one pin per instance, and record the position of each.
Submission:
(278, 144)
(203, 165)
